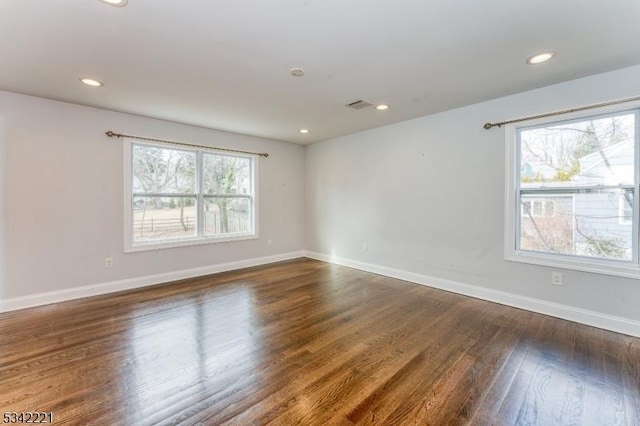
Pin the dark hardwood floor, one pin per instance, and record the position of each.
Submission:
(305, 342)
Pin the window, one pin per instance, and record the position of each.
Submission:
(572, 194)
(538, 208)
(179, 196)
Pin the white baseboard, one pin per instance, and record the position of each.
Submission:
(592, 318)
(39, 299)
(583, 316)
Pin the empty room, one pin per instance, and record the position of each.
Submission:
(305, 212)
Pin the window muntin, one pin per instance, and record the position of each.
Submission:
(181, 196)
(575, 186)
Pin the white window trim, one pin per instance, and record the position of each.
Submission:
(131, 247)
(511, 211)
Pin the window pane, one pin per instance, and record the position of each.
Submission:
(226, 175)
(227, 215)
(587, 223)
(163, 218)
(161, 170)
(590, 152)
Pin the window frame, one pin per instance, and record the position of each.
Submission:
(628, 269)
(130, 246)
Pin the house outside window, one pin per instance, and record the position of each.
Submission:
(571, 195)
(625, 208)
(538, 208)
(178, 196)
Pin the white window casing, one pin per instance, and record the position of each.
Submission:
(568, 195)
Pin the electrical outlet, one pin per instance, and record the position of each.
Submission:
(556, 278)
(365, 247)
(269, 243)
(108, 262)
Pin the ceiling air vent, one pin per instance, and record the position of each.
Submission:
(359, 104)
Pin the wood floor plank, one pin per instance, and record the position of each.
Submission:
(306, 342)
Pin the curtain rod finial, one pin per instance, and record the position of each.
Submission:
(110, 134)
(487, 126)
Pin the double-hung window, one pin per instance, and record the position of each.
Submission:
(178, 196)
(572, 192)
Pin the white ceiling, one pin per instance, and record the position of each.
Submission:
(225, 64)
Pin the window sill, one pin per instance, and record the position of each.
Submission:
(154, 245)
(596, 266)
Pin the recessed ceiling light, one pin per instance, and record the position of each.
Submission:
(118, 3)
(296, 72)
(304, 131)
(540, 58)
(91, 82)
(382, 107)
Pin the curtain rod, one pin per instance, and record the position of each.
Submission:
(120, 135)
(488, 126)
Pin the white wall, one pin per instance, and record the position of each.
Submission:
(3, 222)
(427, 196)
(62, 206)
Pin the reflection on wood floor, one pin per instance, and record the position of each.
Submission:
(306, 342)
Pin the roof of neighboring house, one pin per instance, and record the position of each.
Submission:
(620, 158)
(620, 153)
